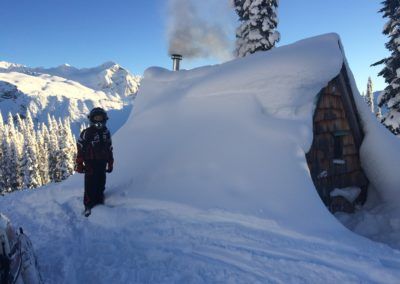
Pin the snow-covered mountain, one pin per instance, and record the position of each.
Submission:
(66, 91)
(214, 187)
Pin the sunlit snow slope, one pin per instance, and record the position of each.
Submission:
(210, 185)
(66, 91)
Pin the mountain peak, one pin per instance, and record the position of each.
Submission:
(108, 65)
(8, 65)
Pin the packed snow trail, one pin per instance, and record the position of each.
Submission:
(132, 240)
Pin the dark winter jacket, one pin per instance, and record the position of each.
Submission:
(95, 144)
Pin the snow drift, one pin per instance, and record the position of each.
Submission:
(232, 136)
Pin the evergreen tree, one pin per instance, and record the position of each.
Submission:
(12, 163)
(82, 127)
(30, 126)
(30, 161)
(6, 161)
(64, 166)
(54, 150)
(391, 73)
(369, 97)
(2, 155)
(1, 124)
(71, 142)
(19, 130)
(43, 153)
(257, 31)
(30, 158)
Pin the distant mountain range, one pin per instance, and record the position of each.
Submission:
(66, 91)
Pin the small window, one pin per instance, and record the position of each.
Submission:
(338, 143)
(337, 147)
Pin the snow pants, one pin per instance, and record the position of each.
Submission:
(95, 182)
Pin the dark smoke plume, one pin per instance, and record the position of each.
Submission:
(191, 35)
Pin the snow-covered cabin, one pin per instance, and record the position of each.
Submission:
(334, 158)
(235, 136)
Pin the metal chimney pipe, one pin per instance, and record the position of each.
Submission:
(176, 59)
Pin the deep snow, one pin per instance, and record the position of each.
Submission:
(133, 240)
(211, 185)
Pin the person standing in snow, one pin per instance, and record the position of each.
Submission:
(95, 158)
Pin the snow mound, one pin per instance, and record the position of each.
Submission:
(232, 136)
(379, 219)
(379, 152)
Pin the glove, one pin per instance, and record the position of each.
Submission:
(110, 166)
(79, 167)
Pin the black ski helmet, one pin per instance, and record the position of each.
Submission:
(96, 112)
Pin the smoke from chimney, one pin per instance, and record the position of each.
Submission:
(192, 36)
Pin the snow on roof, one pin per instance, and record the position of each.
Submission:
(231, 136)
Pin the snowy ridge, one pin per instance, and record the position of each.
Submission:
(109, 77)
(66, 91)
(210, 185)
(10, 66)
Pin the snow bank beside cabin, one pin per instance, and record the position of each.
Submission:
(379, 219)
(379, 153)
(232, 136)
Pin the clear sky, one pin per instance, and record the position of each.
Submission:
(86, 33)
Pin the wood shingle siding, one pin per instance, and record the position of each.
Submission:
(334, 159)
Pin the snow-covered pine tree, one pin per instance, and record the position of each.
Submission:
(19, 128)
(65, 164)
(71, 142)
(1, 124)
(30, 162)
(2, 154)
(369, 97)
(54, 150)
(391, 73)
(257, 31)
(82, 127)
(29, 121)
(12, 165)
(43, 143)
(6, 161)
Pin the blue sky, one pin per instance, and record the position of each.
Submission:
(86, 33)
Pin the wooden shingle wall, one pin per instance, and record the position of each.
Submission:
(333, 159)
